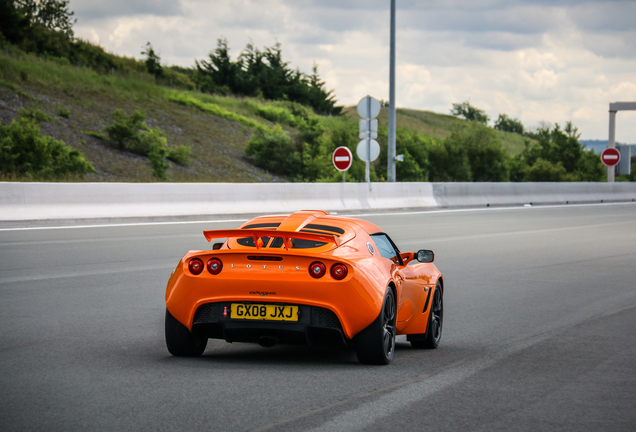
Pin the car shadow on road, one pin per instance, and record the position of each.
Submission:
(243, 354)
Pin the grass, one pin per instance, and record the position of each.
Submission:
(98, 135)
(214, 109)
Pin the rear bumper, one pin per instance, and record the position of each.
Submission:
(315, 326)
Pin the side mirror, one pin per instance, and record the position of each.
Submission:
(217, 246)
(425, 256)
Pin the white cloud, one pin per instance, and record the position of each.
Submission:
(538, 60)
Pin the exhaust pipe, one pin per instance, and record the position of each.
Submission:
(267, 341)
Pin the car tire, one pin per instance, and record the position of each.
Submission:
(180, 341)
(435, 321)
(376, 344)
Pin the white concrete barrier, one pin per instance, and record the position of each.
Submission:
(507, 194)
(46, 201)
(63, 201)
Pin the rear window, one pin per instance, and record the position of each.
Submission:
(277, 243)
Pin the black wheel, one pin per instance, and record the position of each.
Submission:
(180, 341)
(435, 321)
(376, 343)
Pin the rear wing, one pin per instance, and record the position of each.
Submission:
(258, 234)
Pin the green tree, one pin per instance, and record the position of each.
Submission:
(479, 155)
(469, 112)
(263, 74)
(51, 14)
(223, 73)
(507, 124)
(556, 156)
(12, 22)
(448, 161)
(153, 61)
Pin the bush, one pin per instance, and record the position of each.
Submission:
(126, 128)
(544, 171)
(133, 135)
(64, 112)
(274, 151)
(180, 155)
(36, 114)
(155, 143)
(23, 152)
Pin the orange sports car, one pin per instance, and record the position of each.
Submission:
(305, 278)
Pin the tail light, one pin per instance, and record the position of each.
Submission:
(215, 266)
(339, 271)
(317, 269)
(196, 266)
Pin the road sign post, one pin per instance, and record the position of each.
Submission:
(368, 108)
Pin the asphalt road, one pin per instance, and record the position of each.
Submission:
(539, 334)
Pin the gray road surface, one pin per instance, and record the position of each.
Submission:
(539, 334)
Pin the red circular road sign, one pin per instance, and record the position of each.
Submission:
(342, 158)
(610, 157)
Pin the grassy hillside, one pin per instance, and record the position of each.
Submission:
(216, 128)
(81, 101)
(436, 125)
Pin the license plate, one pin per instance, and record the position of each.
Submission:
(264, 312)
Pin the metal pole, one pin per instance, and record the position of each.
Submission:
(367, 167)
(391, 161)
(611, 143)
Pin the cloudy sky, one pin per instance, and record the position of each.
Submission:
(536, 60)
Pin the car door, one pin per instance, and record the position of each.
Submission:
(409, 287)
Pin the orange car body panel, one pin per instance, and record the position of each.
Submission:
(356, 300)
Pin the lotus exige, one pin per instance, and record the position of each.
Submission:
(305, 278)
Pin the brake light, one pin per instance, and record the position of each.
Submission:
(317, 269)
(339, 271)
(215, 266)
(196, 266)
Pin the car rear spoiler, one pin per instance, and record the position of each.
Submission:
(257, 234)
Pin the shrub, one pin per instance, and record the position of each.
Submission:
(126, 128)
(36, 114)
(64, 112)
(545, 171)
(133, 135)
(274, 151)
(24, 152)
(180, 155)
(157, 151)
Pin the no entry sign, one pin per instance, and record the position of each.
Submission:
(342, 158)
(610, 157)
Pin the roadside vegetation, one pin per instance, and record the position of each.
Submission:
(104, 117)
